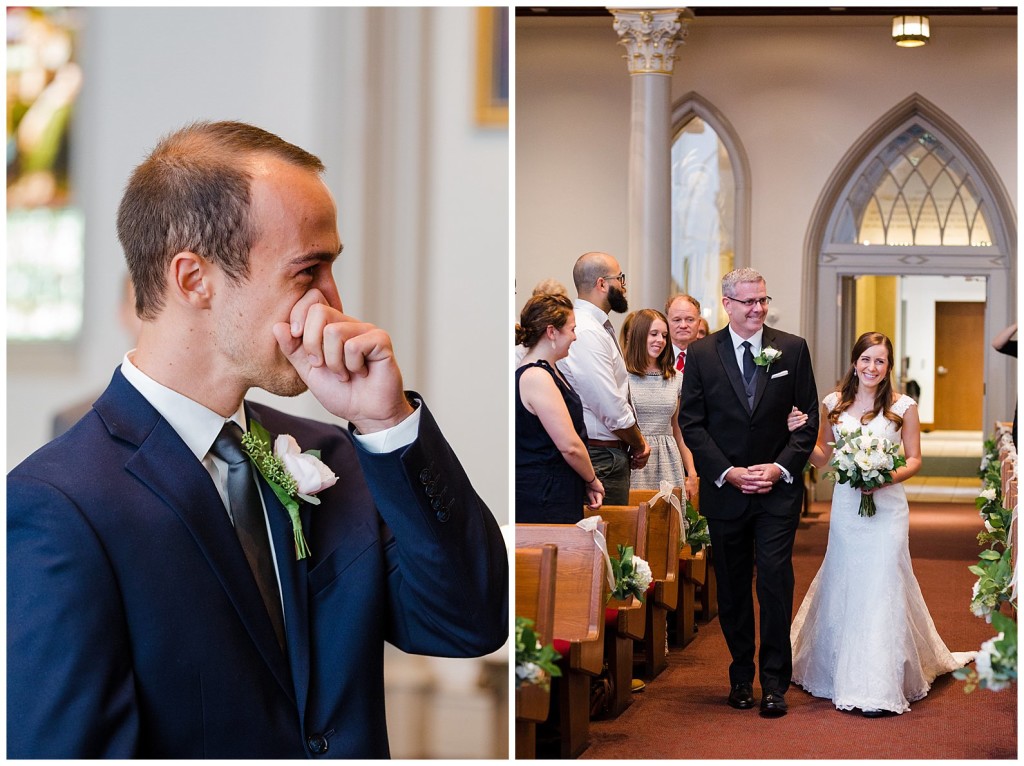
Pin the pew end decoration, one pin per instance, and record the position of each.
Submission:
(535, 664)
(697, 535)
(632, 575)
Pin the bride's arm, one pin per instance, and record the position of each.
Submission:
(822, 450)
(911, 446)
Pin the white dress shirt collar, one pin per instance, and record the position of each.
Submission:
(755, 340)
(586, 306)
(197, 425)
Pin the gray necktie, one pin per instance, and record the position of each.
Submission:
(250, 523)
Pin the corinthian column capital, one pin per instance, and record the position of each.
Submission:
(650, 37)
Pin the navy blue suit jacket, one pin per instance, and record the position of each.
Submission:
(135, 628)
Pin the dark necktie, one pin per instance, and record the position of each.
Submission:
(250, 523)
(748, 362)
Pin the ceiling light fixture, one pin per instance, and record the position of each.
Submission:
(910, 31)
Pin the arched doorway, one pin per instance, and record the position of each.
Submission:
(915, 197)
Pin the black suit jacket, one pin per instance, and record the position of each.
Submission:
(721, 431)
(135, 628)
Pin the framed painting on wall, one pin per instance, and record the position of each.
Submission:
(492, 67)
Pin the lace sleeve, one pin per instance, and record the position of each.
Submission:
(901, 405)
(831, 400)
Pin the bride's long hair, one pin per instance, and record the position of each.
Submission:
(848, 385)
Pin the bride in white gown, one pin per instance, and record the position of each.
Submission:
(863, 636)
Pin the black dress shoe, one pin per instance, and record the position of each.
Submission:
(773, 705)
(741, 696)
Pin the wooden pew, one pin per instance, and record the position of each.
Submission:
(663, 555)
(535, 600)
(578, 624)
(627, 525)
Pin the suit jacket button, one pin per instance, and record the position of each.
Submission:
(317, 744)
(443, 515)
(424, 476)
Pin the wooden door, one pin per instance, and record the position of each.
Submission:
(960, 347)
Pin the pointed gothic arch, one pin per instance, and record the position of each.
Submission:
(690, 106)
(828, 259)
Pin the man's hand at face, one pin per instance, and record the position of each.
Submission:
(348, 365)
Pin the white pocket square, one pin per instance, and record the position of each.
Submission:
(780, 374)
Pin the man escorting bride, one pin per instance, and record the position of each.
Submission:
(740, 385)
(863, 636)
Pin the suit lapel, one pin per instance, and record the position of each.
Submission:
(293, 577)
(727, 354)
(761, 376)
(170, 470)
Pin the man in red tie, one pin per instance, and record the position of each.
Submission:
(683, 312)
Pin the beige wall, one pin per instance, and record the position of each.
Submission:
(798, 92)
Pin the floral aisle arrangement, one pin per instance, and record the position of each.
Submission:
(535, 664)
(864, 462)
(632, 574)
(995, 667)
(693, 528)
(697, 535)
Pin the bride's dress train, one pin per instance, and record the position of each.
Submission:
(863, 636)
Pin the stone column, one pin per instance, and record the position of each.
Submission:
(650, 38)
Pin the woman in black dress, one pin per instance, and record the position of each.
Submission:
(554, 475)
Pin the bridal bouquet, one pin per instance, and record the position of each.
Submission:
(864, 462)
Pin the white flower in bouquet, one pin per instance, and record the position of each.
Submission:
(864, 462)
(989, 493)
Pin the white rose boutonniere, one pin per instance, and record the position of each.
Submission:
(767, 357)
(292, 474)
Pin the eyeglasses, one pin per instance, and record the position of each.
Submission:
(620, 276)
(750, 302)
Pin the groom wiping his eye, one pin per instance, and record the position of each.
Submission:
(162, 600)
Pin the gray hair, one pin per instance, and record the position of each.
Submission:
(737, 276)
(550, 287)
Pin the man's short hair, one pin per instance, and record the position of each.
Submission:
(589, 268)
(681, 296)
(737, 276)
(192, 194)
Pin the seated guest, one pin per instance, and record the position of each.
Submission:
(654, 387)
(554, 475)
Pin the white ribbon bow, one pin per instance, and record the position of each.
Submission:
(1011, 534)
(590, 525)
(666, 493)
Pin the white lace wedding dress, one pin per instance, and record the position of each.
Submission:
(863, 636)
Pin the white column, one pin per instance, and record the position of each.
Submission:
(650, 38)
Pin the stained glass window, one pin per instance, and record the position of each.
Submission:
(44, 228)
(703, 214)
(914, 192)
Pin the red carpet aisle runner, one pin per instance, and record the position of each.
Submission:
(683, 714)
